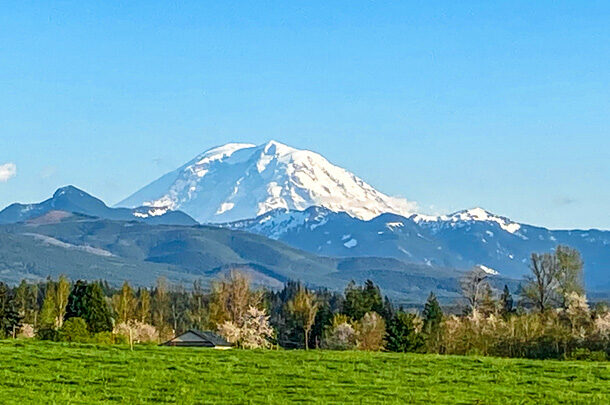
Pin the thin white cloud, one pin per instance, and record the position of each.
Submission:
(7, 171)
(48, 172)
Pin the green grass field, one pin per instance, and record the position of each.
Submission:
(40, 372)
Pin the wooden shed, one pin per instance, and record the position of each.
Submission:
(197, 338)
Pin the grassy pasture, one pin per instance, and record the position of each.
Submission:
(41, 372)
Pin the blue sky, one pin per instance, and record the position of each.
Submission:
(504, 105)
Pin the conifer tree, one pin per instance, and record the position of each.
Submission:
(10, 320)
(506, 302)
(432, 314)
(76, 306)
(360, 300)
(87, 301)
(98, 315)
(403, 334)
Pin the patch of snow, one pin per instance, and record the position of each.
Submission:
(224, 207)
(488, 270)
(405, 251)
(350, 243)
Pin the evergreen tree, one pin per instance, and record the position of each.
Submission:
(433, 316)
(76, 307)
(289, 334)
(402, 333)
(21, 298)
(329, 304)
(87, 301)
(360, 300)
(98, 315)
(178, 309)
(506, 301)
(388, 311)
(10, 320)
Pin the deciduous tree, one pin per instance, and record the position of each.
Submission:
(541, 287)
(124, 303)
(474, 285)
(304, 308)
(371, 332)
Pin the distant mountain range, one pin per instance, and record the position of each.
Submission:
(460, 240)
(281, 213)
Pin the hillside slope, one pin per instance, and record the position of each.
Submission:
(90, 248)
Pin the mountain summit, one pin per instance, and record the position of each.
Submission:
(73, 200)
(238, 181)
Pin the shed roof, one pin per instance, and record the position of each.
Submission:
(205, 338)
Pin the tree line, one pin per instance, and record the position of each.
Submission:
(547, 317)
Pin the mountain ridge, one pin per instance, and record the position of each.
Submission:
(75, 200)
(458, 240)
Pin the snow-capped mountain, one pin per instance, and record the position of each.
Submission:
(460, 240)
(238, 181)
(465, 218)
(72, 199)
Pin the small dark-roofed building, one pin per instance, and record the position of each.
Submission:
(197, 338)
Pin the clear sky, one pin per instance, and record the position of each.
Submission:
(456, 104)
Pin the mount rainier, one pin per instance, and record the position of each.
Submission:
(238, 181)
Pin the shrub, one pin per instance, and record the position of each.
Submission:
(26, 331)
(370, 332)
(340, 336)
(74, 330)
(103, 338)
(48, 334)
(586, 354)
(140, 332)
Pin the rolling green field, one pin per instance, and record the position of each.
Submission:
(41, 372)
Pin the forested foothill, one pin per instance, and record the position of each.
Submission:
(547, 317)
